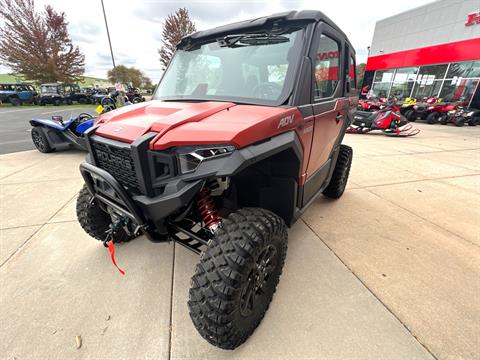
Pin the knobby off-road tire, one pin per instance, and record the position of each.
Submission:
(339, 179)
(15, 101)
(236, 278)
(40, 140)
(411, 115)
(94, 220)
(432, 118)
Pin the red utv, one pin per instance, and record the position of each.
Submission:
(243, 133)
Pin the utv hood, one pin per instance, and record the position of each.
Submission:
(189, 123)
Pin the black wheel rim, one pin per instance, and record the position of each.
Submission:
(38, 140)
(257, 280)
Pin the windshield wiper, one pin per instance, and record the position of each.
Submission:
(251, 40)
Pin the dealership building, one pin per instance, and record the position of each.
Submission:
(429, 51)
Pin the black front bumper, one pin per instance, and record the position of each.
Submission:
(138, 183)
(150, 213)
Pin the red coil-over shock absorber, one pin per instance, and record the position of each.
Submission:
(207, 209)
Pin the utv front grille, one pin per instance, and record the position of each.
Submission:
(118, 162)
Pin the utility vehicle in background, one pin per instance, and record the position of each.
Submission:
(18, 94)
(54, 93)
(244, 132)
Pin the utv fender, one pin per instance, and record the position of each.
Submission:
(243, 158)
(254, 153)
(263, 175)
(55, 134)
(48, 123)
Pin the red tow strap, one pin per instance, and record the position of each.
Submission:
(111, 250)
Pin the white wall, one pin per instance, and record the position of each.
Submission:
(440, 22)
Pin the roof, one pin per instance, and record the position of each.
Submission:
(258, 23)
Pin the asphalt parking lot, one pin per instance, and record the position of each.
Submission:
(15, 127)
(389, 271)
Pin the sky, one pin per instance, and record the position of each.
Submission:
(136, 25)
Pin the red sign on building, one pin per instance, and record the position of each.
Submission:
(473, 18)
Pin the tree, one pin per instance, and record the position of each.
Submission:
(360, 74)
(38, 45)
(146, 83)
(175, 27)
(129, 75)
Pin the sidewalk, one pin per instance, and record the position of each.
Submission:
(390, 271)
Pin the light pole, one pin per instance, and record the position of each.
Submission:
(108, 34)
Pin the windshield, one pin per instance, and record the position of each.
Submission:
(49, 89)
(246, 68)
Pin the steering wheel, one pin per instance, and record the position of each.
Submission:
(81, 118)
(267, 90)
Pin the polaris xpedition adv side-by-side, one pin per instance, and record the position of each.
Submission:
(244, 131)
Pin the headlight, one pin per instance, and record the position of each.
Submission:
(189, 160)
(471, 113)
(451, 112)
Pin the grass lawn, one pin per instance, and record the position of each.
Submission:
(28, 106)
(86, 80)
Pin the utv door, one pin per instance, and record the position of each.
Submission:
(329, 106)
(24, 93)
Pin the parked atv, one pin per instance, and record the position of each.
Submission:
(439, 112)
(222, 160)
(420, 110)
(56, 134)
(109, 102)
(462, 116)
(372, 104)
(134, 95)
(388, 120)
(407, 105)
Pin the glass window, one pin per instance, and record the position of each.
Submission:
(402, 90)
(384, 75)
(251, 68)
(403, 82)
(326, 67)
(277, 73)
(465, 70)
(380, 89)
(432, 72)
(427, 88)
(353, 73)
(458, 90)
(405, 74)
